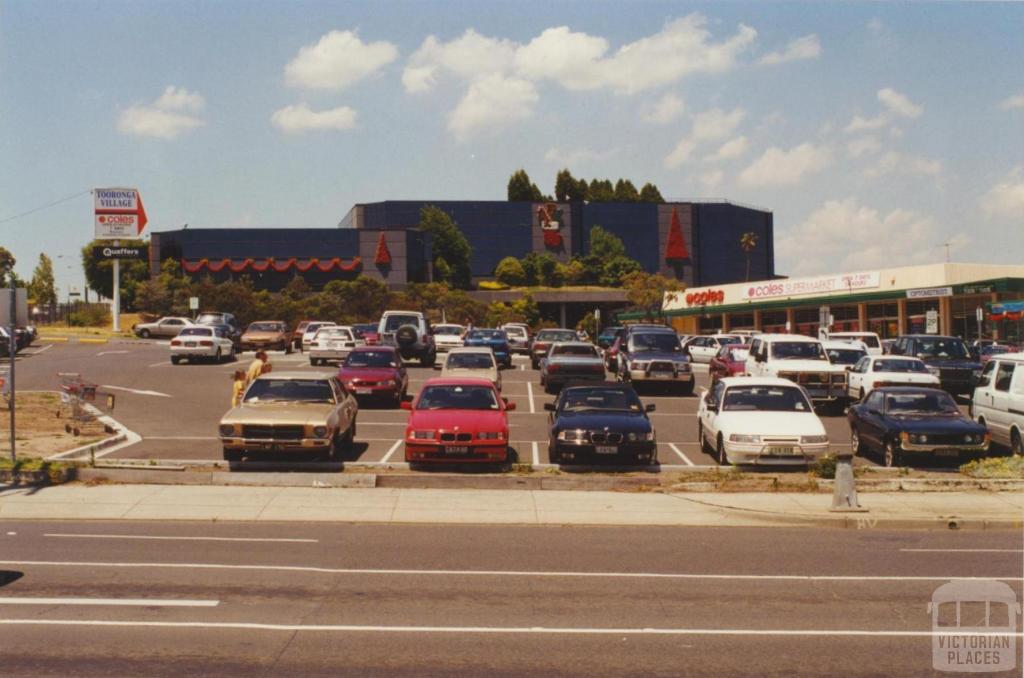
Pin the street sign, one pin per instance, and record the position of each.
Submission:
(107, 252)
(118, 213)
(979, 313)
(931, 322)
(193, 303)
(21, 309)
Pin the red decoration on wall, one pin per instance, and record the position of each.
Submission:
(261, 265)
(383, 255)
(676, 248)
(552, 239)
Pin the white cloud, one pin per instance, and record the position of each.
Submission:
(337, 60)
(1015, 101)
(300, 118)
(847, 236)
(559, 54)
(807, 47)
(167, 117)
(665, 110)
(861, 124)
(731, 149)
(901, 163)
(777, 167)
(469, 56)
(680, 154)
(712, 179)
(708, 126)
(863, 146)
(1006, 199)
(492, 102)
(898, 103)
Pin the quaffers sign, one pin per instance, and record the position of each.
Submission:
(105, 252)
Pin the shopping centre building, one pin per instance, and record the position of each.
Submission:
(935, 298)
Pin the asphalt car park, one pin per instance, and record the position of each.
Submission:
(174, 410)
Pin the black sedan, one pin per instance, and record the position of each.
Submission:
(603, 422)
(898, 421)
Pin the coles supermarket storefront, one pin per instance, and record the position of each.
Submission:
(933, 298)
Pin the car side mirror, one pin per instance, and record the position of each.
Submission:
(983, 381)
(508, 405)
(849, 368)
(549, 407)
(711, 406)
(406, 404)
(650, 408)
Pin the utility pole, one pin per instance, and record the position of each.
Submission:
(12, 343)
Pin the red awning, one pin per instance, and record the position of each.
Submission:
(281, 266)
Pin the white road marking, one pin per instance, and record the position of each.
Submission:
(536, 453)
(11, 534)
(512, 573)
(44, 349)
(398, 443)
(120, 602)
(110, 353)
(529, 393)
(170, 538)
(523, 630)
(681, 455)
(137, 391)
(522, 368)
(162, 363)
(180, 438)
(962, 550)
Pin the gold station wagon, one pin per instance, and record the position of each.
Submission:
(291, 412)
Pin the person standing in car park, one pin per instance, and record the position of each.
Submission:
(261, 365)
(238, 387)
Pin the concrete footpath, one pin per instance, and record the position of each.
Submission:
(899, 510)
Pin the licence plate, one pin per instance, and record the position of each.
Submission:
(947, 453)
(456, 449)
(606, 449)
(364, 391)
(190, 344)
(781, 451)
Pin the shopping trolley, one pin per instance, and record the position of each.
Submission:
(76, 396)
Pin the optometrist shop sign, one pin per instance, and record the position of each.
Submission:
(792, 287)
(108, 252)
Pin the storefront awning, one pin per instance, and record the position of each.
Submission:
(271, 264)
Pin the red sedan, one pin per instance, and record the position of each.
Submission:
(730, 361)
(374, 372)
(457, 421)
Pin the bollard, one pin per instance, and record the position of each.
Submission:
(844, 495)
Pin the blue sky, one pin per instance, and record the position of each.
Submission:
(875, 132)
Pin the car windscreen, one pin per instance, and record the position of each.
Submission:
(196, 332)
(371, 359)
(738, 355)
(470, 361)
(765, 399)
(604, 399)
(448, 330)
(264, 327)
(731, 340)
(457, 397)
(587, 351)
(333, 333)
(933, 402)
(210, 319)
(487, 335)
(556, 335)
(393, 322)
(289, 390)
(797, 350)
(515, 331)
(362, 329)
(844, 356)
(661, 342)
(312, 328)
(899, 365)
(941, 347)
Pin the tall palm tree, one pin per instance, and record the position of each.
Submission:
(748, 241)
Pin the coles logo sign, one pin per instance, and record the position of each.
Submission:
(825, 284)
(704, 298)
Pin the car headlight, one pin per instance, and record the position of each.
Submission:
(934, 371)
(813, 440)
(631, 437)
(490, 435)
(388, 382)
(744, 438)
(423, 435)
(916, 438)
(972, 438)
(227, 429)
(319, 431)
(572, 435)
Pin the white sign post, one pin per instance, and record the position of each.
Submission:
(118, 213)
(979, 313)
(193, 305)
(931, 322)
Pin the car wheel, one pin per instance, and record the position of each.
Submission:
(862, 394)
(232, 456)
(219, 357)
(553, 456)
(1016, 445)
(723, 459)
(144, 334)
(175, 360)
(533, 364)
(893, 455)
(855, 444)
(312, 362)
(427, 360)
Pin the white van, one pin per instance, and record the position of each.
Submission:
(999, 400)
(869, 339)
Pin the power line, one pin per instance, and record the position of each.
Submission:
(43, 207)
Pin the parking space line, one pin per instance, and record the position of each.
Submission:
(529, 393)
(536, 453)
(145, 437)
(120, 602)
(162, 363)
(681, 455)
(173, 538)
(962, 550)
(398, 443)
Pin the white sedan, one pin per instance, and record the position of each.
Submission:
(472, 361)
(760, 420)
(333, 342)
(202, 343)
(703, 348)
(310, 332)
(875, 371)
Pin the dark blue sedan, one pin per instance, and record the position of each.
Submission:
(603, 422)
(898, 421)
(496, 340)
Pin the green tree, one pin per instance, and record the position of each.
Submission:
(568, 188)
(449, 244)
(100, 274)
(547, 270)
(650, 193)
(625, 191)
(510, 272)
(647, 291)
(605, 244)
(7, 261)
(362, 299)
(570, 273)
(616, 269)
(600, 191)
(521, 188)
(442, 271)
(42, 288)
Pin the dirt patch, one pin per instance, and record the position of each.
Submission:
(40, 432)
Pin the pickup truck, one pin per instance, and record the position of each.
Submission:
(803, 361)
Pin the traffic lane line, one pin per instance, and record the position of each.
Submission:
(74, 535)
(115, 602)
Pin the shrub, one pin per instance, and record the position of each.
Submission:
(91, 315)
(492, 285)
(825, 467)
(995, 467)
(510, 272)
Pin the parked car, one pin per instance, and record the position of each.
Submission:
(472, 362)
(607, 337)
(873, 372)
(988, 352)
(998, 401)
(374, 373)
(447, 337)
(199, 343)
(266, 335)
(367, 332)
(410, 333)
(164, 327)
(760, 420)
(5, 343)
(542, 342)
(300, 329)
(309, 332)
(702, 349)
(802, 360)
(730, 361)
(496, 340)
(218, 318)
(568, 362)
(599, 422)
(457, 421)
(518, 337)
(844, 353)
(653, 355)
(291, 412)
(333, 342)
(958, 371)
(898, 421)
(872, 344)
(887, 345)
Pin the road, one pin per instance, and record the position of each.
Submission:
(176, 409)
